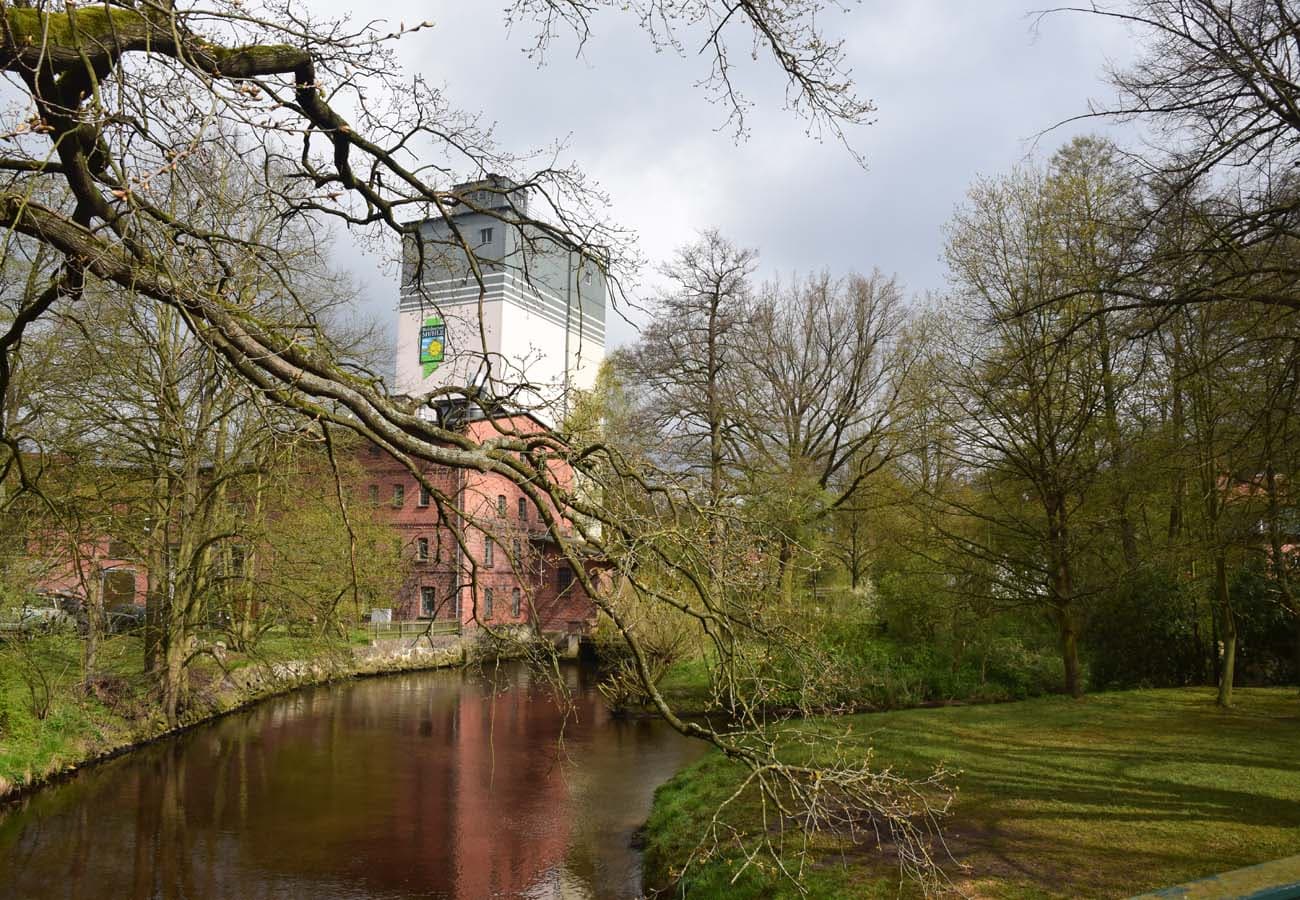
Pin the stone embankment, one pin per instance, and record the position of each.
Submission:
(242, 686)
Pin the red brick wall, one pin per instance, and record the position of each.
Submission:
(521, 558)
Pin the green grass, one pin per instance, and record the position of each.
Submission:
(78, 725)
(75, 725)
(1107, 796)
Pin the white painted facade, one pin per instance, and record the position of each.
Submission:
(532, 332)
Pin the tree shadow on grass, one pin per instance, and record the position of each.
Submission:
(1099, 802)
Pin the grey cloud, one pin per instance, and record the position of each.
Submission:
(962, 89)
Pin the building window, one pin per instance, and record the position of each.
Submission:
(523, 509)
(424, 496)
(563, 578)
(399, 495)
(422, 549)
(485, 235)
(427, 601)
(374, 449)
(374, 495)
(516, 549)
(487, 552)
(514, 602)
(501, 506)
(118, 549)
(487, 603)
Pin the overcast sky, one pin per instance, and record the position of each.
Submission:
(962, 88)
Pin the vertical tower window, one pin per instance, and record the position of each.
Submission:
(501, 506)
(399, 495)
(374, 495)
(523, 509)
(426, 601)
(563, 578)
(487, 552)
(424, 496)
(485, 235)
(514, 602)
(487, 603)
(516, 549)
(422, 549)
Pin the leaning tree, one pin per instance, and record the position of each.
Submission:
(109, 99)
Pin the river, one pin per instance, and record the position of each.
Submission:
(429, 784)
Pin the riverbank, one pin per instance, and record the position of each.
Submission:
(51, 726)
(1107, 796)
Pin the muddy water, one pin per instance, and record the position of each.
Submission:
(428, 784)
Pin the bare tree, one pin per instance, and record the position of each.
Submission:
(1026, 401)
(1218, 82)
(684, 367)
(822, 394)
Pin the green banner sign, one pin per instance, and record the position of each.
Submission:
(433, 342)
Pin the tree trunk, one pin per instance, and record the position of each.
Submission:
(1110, 401)
(1070, 654)
(1227, 629)
(94, 626)
(1178, 424)
(787, 573)
(173, 680)
(1295, 622)
(1062, 592)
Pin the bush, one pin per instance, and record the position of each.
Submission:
(1144, 634)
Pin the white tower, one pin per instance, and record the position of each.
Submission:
(532, 331)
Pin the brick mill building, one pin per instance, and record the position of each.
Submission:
(507, 569)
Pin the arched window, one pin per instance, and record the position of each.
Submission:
(501, 506)
(523, 509)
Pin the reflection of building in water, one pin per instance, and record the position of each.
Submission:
(488, 302)
(422, 785)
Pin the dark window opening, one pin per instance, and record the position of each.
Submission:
(501, 506)
(427, 601)
(118, 549)
(514, 602)
(374, 495)
(523, 509)
(563, 578)
(487, 603)
(485, 235)
(422, 549)
(119, 588)
(425, 496)
(399, 495)
(487, 553)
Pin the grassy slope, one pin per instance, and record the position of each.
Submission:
(79, 726)
(1106, 796)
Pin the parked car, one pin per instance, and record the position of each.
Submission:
(44, 613)
(121, 619)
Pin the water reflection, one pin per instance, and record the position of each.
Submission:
(421, 785)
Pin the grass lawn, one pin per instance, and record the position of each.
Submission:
(1108, 796)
